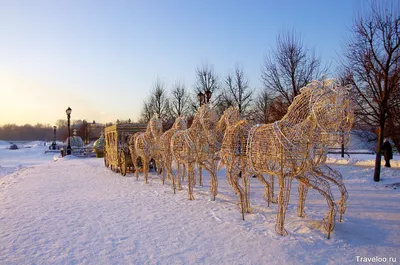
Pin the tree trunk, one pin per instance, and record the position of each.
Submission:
(378, 157)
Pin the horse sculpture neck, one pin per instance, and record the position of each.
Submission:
(196, 125)
(148, 128)
(301, 106)
(154, 127)
(229, 117)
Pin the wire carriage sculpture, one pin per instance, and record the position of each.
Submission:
(116, 152)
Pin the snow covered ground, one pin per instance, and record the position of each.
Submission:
(76, 211)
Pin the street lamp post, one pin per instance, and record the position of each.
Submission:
(68, 111)
(55, 138)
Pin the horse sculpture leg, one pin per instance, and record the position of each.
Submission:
(213, 184)
(163, 172)
(337, 178)
(190, 168)
(233, 181)
(134, 161)
(313, 180)
(240, 192)
(246, 185)
(267, 188)
(178, 178)
(271, 185)
(169, 172)
(285, 183)
(303, 189)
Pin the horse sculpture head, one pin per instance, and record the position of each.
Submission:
(229, 116)
(155, 124)
(208, 120)
(208, 117)
(333, 112)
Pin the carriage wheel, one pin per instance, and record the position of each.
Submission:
(122, 162)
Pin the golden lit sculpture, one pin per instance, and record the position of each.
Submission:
(131, 145)
(209, 144)
(197, 144)
(284, 148)
(144, 145)
(183, 148)
(327, 136)
(233, 156)
(165, 153)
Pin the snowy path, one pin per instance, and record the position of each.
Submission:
(75, 211)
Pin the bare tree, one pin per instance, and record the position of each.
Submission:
(180, 101)
(289, 67)
(147, 112)
(206, 80)
(157, 103)
(61, 123)
(237, 92)
(261, 111)
(159, 100)
(373, 59)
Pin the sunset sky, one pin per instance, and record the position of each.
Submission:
(101, 58)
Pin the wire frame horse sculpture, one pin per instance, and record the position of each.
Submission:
(333, 127)
(143, 145)
(327, 134)
(233, 156)
(189, 146)
(284, 148)
(165, 153)
(211, 142)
